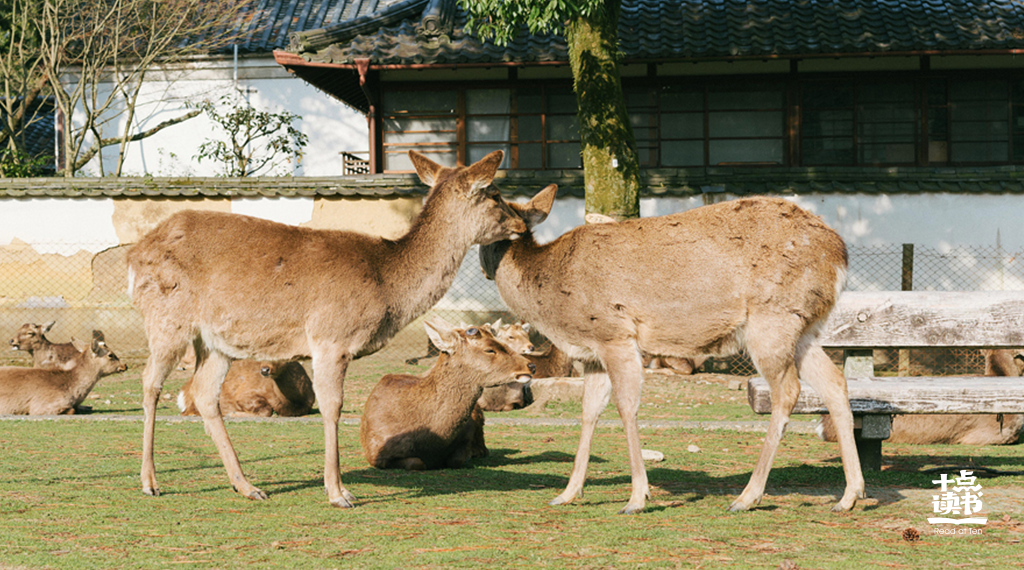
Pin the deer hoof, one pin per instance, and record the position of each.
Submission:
(257, 495)
(738, 506)
(631, 509)
(343, 502)
(151, 492)
(348, 496)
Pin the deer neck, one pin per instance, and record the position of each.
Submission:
(457, 388)
(427, 258)
(83, 377)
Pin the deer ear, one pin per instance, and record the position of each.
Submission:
(526, 326)
(482, 172)
(496, 325)
(426, 169)
(537, 209)
(442, 335)
(79, 345)
(48, 326)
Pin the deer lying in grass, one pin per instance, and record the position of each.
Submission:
(965, 429)
(424, 422)
(758, 273)
(237, 287)
(259, 389)
(42, 391)
(673, 364)
(551, 363)
(31, 338)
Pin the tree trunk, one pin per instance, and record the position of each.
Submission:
(611, 168)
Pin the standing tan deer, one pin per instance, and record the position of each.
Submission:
(758, 273)
(429, 422)
(31, 338)
(240, 287)
(49, 391)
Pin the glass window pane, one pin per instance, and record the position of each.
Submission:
(682, 153)
(488, 129)
(488, 101)
(936, 92)
(682, 125)
(826, 95)
(828, 123)
(564, 127)
(478, 151)
(677, 99)
(529, 128)
(561, 101)
(529, 103)
(745, 124)
(564, 155)
(977, 90)
(420, 102)
(530, 156)
(400, 160)
(828, 150)
(980, 151)
(764, 98)
(886, 153)
(739, 151)
(442, 128)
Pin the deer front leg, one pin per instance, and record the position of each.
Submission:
(329, 385)
(626, 372)
(596, 390)
(207, 381)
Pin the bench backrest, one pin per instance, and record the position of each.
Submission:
(915, 319)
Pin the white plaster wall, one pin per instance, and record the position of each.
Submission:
(331, 126)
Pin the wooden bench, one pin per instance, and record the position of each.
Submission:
(863, 321)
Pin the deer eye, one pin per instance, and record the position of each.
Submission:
(490, 351)
(472, 331)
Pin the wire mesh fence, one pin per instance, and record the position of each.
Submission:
(83, 287)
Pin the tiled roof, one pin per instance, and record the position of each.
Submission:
(691, 29)
(666, 182)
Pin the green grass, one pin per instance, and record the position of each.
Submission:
(70, 497)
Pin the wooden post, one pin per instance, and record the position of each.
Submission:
(907, 284)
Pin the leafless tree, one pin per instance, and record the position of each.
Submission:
(98, 54)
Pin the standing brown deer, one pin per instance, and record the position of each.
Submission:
(239, 287)
(758, 273)
(54, 391)
(429, 422)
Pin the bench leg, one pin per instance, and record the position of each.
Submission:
(872, 430)
(870, 452)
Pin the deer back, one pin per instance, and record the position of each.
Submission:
(682, 284)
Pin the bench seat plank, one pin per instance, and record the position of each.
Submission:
(909, 395)
(914, 319)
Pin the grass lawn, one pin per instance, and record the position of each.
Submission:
(70, 496)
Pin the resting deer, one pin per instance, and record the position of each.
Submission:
(42, 391)
(673, 364)
(963, 429)
(758, 273)
(259, 389)
(237, 287)
(550, 363)
(426, 422)
(32, 339)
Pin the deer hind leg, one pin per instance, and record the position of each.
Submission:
(162, 360)
(626, 373)
(329, 385)
(211, 367)
(819, 371)
(779, 369)
(596, 390)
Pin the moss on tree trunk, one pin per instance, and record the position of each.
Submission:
(611, 169)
